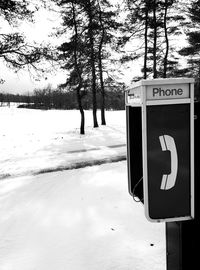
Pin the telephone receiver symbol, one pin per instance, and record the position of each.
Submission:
(168, 144)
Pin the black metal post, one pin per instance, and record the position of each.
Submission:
(182, 238)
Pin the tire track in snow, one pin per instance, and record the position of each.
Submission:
(82, 164)
(94, 149)
(74, 165)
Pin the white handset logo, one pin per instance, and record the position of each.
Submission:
(168, 144)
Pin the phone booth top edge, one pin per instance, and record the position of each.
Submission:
(135, 95)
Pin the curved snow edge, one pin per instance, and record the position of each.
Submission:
(72, 166)
(82, 164)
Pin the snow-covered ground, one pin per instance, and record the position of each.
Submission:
(82, 219)
(34, 140)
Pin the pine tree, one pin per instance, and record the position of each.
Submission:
(155, 22)
(90, 7)
(15, 52)
(136, 27)
(192, 51)
(72, 52)
(107, 26)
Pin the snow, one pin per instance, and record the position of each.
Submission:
(34, 140)
(82, 219)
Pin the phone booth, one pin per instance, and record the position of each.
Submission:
(160, 147)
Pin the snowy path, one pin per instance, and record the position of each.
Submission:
(80, 219)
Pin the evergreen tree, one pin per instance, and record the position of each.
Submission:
(90, 33)
(72, 52)
(107, 27)
(136, 27)
(101, 41)
(155, 23)
(165, 23)
(192, 51)
(79, 54)
(90, 10)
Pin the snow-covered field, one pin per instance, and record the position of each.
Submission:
(34, 140)
(82, 219)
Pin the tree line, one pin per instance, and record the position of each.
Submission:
(49, 98)
(92, 32)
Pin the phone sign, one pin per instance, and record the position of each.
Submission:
(168, 161)
(178, 91)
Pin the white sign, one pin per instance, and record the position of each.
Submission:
(169, 91)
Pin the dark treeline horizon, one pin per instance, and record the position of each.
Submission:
(48, 98)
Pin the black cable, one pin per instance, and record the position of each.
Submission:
(134, 196)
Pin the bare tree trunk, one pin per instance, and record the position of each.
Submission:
(103, 120)
(79, 99)
(155, 40)
(166, 40)
(78, 89)
(92, 59)
(146, 41)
